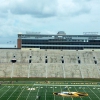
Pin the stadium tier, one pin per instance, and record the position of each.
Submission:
(32, 63)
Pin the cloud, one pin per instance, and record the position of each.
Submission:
(3, 15)
(46, 16)
(72, 8)
(46, 8)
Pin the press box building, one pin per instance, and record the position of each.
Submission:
(58, 41)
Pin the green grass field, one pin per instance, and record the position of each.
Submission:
(30, 90)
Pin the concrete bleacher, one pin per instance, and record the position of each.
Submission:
(50, 63)
(55, 70)
(37, 70)
(5, 69)
(72, 70)
(20, 70)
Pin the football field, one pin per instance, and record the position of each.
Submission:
(45, 91)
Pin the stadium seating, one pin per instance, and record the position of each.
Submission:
(50, 63)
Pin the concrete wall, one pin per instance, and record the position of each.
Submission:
(50, 63)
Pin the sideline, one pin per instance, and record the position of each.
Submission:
(63, 85)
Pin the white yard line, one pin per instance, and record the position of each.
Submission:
(61, 91)
(88, 95)
(2, 87)
(12, 93)
(20, 94)
(45, 92)
(97, 89)
(29, 93)
(77, 91)
(4, 93)
(37, 92)
(60, 88)
(53, 91)
(63, 85)
(45, 95)
(94, 93)
(69, 91)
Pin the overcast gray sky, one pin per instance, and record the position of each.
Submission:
(48, 16)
